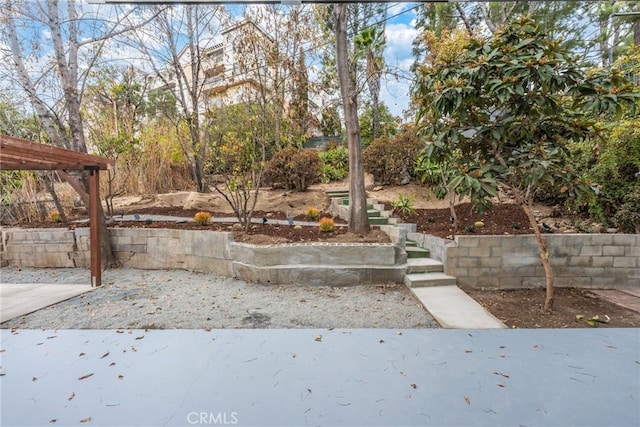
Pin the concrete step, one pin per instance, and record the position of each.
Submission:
(411, 244)
(452, 308)
(392, 221)
(421, 280)
(377, 221)
(424, 265)
(415, 252)
(337, 193)
(345, 202)
(372, 213)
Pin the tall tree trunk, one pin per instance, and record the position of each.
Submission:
(80, 186)
(47, 178)
(358, 221)
(543, 251)
(636, 32)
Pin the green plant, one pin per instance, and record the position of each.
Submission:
(404, 204)
(335, 164)
(55, 216)
(202, 218)
(312, 214)
(470, 229)
(293, 169)
(431, 219)
(326, 225)
(393, 160)
(627, 218)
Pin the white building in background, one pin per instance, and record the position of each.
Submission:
(221, 79)
(227, 75)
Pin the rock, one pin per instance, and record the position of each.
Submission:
(612, 230)
(478, 224)
(378, 188)
(236, 227)
(297, 227)
(405, 181)
(269, 214)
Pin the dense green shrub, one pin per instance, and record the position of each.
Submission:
(627, 218)
(293, 169)
(393, 160)
(613, 165)
(335, 164)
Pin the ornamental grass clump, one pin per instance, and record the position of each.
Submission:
(327, 225)
(312, 214)
(202, 218)
(55, 216)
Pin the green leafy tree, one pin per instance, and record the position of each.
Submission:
(238, 157)
(515, 100)
(386, 122)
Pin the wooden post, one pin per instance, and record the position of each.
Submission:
(94, 225)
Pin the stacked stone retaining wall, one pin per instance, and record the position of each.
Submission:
(585, 260)
(338, 264)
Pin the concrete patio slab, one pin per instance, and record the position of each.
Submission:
(452, 308)
(622, 298)
(369, 377)
(19, 299)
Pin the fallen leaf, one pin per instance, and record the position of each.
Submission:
(85, 420)
(414, 386)
(34, 379)
(112, 363)
(81, 354)
(294, 355)
(120, 376)
(139, 338)
(119, 332)
(501, 385)
(466, 399)
(381, 341)
(53, 421)
(468, 351)
(318, 338)
(104, 355)
(73, 394)
(398, 333)
(84, 377)
(501, 374)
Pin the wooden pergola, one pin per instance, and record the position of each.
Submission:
(20, 154)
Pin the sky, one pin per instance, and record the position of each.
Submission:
(394, 93)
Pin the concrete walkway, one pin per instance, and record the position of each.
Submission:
(350, 377)
(454, 309)
(19, 299)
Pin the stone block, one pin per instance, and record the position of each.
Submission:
(533, 282)
(601, 239)
(456, 271)
(591, 251)
(572, 281)
(626, 239)
(520, 261)
(632, 251)
(613, 250)
(625, 262)
(490, 262)
(557, 251)
(602, 261)
(468, 262)
(512, 282)
(470, 241)
(580, 261)
(480, 252)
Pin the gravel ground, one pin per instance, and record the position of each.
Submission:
(167, 299)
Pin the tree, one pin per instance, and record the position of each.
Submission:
(369, 43)
(238, 150)
(177, 44)
(55, 85)
(514, 101)
(386, 123)
(358, 221)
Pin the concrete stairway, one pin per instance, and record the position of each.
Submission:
(437, 291)
(424, 271)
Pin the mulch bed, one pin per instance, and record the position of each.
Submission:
(523, 308)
